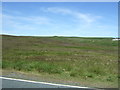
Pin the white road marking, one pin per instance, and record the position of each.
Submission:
(42, 82)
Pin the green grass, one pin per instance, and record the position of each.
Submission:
(71, 57)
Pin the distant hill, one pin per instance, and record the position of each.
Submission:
(80, 60)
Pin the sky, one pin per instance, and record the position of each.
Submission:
(81, 19)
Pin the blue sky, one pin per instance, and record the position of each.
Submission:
(83, 19)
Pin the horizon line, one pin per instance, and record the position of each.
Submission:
(59, 36)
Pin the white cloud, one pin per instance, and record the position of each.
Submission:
(29, 19)
(59, 10)
(21, 25)
(84, 17)
(87, 18)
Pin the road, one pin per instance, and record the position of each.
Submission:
(19, 83)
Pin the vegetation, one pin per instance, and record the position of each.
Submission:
(78, 58)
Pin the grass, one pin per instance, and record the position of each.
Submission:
(67, 57)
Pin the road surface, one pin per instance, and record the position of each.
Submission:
(19, 83)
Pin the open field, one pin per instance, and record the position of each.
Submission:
(75, 59)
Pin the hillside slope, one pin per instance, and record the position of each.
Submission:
(75, 59)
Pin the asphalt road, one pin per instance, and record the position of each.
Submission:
(19, 83)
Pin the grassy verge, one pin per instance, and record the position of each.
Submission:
(76, 59)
